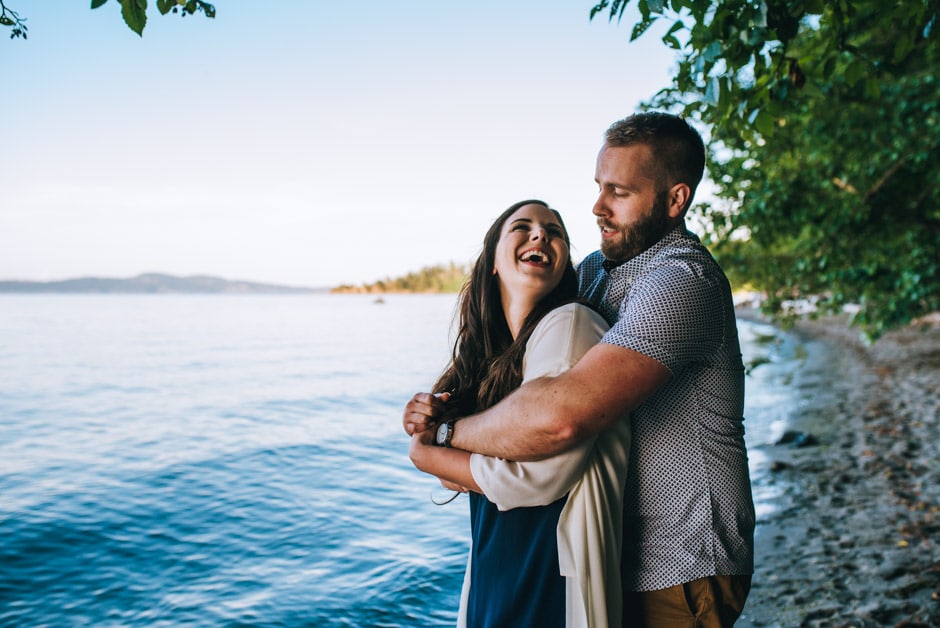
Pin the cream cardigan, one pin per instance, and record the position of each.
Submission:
(591, 474)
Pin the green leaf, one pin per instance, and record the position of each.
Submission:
(856, 71)
(641, 27)
(672, 42)
(754, 37)
(597, 8)
(135, 15)
(764, 123)
(759, 18)
(619, 6)
(814, 7)
(164, 6)
(97, 3)
(904, 46)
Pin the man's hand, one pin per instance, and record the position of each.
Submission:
(422, 410)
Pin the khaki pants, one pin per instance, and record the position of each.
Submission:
(714, 602)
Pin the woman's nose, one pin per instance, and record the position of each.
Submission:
(538, 233)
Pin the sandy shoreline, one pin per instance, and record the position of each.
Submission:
(855, 540)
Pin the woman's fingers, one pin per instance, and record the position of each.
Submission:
(421, 411)
(453, 487)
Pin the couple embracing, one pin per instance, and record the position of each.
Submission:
(595, 415)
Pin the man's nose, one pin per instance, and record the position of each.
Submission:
(600, 209)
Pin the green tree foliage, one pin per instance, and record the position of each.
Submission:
(439, 278)
(134, 13)
(12, 20)
(825, 138)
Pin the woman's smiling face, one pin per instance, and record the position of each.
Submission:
(532, 252)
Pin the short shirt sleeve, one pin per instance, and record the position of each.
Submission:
(673, 315)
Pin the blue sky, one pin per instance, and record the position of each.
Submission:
(302, 142)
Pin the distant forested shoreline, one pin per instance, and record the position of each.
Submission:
(440, 278)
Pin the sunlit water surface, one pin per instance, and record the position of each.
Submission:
(239, 461)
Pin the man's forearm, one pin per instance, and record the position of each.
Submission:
(523, 426)
(549, 415)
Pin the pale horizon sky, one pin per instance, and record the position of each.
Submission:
(302, 143)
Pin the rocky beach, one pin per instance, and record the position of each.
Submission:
(854, 537)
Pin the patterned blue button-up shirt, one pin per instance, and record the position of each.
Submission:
(688, 511)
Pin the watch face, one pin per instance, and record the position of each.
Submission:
(442, 433)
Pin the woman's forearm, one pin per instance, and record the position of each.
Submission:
(448, 464)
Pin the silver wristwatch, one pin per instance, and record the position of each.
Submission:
(445, 432)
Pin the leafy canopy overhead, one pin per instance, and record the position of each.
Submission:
(134, 13)
(824, 121)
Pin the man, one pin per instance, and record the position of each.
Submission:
(672, 359)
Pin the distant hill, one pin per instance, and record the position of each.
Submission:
(153, 283)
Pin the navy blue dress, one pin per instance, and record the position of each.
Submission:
(514, 573)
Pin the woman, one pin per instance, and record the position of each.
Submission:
(545, 535)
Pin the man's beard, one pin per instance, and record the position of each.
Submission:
(639, 236)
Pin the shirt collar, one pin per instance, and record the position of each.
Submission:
(635, 265)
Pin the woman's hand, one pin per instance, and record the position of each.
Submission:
(454, 487)
(422, 410)
(422, 449)
(451, 466)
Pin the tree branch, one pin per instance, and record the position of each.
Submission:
(9, 17)
(887, 176)
(844, 185)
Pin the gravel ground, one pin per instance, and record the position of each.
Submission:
(855, 538)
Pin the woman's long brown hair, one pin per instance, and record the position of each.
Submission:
(487, 363)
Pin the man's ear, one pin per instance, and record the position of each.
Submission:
(679, 196)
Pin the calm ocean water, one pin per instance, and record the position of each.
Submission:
(239, 461)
